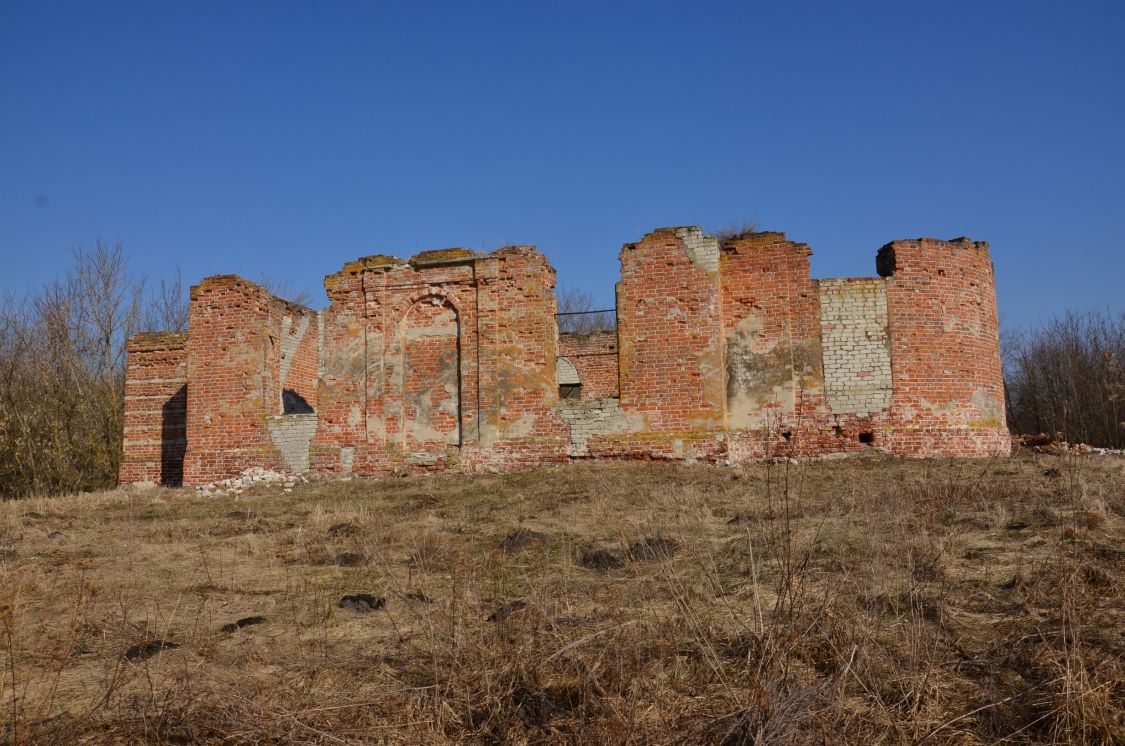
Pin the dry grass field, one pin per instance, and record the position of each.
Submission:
(861, 601)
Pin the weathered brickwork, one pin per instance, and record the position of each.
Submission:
(155, 409)
(669, 318)
(241, 340)
(291, 434)
(724, 352)
(595, 417)
(444, 360)
(594, 357)
(948, 387)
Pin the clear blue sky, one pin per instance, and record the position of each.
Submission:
(288, 138)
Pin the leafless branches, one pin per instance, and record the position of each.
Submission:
(62, 371)
(579, 314)
(1068, 376)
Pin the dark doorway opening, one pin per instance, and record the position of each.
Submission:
(294, 403)
(173, 438)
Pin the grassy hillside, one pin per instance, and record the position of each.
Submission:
(870, 600)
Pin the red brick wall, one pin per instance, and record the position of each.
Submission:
(448, 360)
(490, 354)
(230, 358)
(235, 360)
(948, 386)
(430, 384)
(155, 400)
(669, 325)
(341, 395)
(772, 330)
(594, 356)
(303, 371)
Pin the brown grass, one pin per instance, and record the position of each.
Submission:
(873, 601)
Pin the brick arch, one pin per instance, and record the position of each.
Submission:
(428, 293)
(429, 376)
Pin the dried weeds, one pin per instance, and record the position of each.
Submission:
(863, 601)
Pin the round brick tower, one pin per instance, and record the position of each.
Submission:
(948, 386)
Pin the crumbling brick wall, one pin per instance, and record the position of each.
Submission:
(947, 381)
(452, 360)
(298, 367)
(446, 359)
(669, 322)
(244, 346)
(155, 409)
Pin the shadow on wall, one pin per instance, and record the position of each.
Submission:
(173, 443)
(294, 403)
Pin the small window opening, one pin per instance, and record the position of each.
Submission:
(787, 434)
(570, 391)
(886, 262)
(867, 438)
(570, 385)
(838, 431)
(294, 403)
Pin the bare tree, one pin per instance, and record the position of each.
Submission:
(284, 289)
(578, 313)
(168, 308)
(1068, 376)
(62, 368)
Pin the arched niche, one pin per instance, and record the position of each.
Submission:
(430, 374)
(570, 385)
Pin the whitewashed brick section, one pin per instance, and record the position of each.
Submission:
(292, 433)
(703, 251)
(566, 372)
(856, 348)
(594, 417)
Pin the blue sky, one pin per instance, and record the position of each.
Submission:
(287, 138)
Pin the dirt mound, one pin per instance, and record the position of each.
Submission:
(600, 561)
(364, 603)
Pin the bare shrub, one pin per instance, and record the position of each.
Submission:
(737, 231)
(62, 371)
(1068, 376)
(168, 307)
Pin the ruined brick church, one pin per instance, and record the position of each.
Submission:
(723, 352)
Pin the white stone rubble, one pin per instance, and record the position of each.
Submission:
(255, 476)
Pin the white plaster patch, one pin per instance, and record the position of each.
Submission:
(519, 428)
(988, 407)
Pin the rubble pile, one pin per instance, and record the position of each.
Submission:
(255, 476)
(1054, 445)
